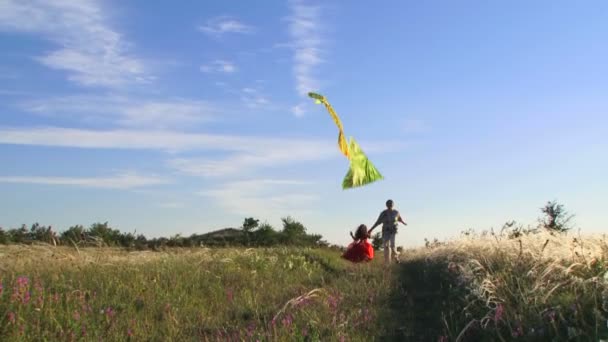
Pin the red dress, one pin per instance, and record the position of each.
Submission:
(359, 251)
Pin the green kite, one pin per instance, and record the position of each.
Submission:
(361, 171)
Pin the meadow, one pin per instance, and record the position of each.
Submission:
(479, 287)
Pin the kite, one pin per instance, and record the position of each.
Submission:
(361, 171)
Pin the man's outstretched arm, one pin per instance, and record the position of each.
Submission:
(400, 219)
(378, 221)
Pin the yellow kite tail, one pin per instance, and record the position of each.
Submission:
(342, 144)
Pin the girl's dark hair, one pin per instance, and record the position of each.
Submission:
(361, 232)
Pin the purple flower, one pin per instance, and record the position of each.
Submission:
(109, 312)
(250, 329)
(333, 302)
(229, 295)
(287, 320)
(517, 332)
(129, 332)
(23, 281)
(499, 312)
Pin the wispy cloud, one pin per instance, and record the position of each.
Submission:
(263, 197)
(128, 180)
(219, 66)
(241, 154)
(305, 31)
(90, 51)
(125, 111)
(264, 156)
(298, 110)
(225, 24)
(145, 139)
(254, 98)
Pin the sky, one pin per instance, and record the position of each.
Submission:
(165, 118)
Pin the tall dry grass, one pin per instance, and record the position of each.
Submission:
(535, 287)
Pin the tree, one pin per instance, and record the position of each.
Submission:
(293, 231)
(377, 241)
(265, 235)
(556, 218)
(250, 224)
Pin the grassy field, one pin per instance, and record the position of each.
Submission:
(538, 287)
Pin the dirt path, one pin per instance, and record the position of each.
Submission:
(424, 298)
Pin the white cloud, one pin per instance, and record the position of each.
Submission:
(90, 51)
(254, 98)
(124, 111)
(298, 110)
(264, 156)
(225, 24)
(120, 181)
(219, 66)
(304, 29)
(263, 197)
(241, 154)
(145, 139)
(261, 149)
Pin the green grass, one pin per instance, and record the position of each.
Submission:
(205, 294)
(482, 289)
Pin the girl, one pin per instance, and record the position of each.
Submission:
(360, 249)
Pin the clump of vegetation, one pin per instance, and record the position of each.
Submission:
(251, 234)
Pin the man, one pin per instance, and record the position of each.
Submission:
(389, 218)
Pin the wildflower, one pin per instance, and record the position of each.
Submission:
(12, 318)
(22, 281)
(333, 302)
(76, 315)
(517, 332)
(109, 312)
(287, 320)
(129, 332)
(1, 288)
(229, 295)
(250, 329)
(499, 312)
(83, 330)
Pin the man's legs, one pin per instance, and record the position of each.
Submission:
(393, 251)
(388, 245)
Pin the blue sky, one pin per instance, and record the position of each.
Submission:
(168, 119)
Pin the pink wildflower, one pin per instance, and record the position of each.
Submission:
(499, 312)
(229, 295)
(109, 312)
(12, 318)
